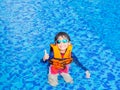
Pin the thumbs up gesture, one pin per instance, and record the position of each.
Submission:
(87, 74)
(46, 56)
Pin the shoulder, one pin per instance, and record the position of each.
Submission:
(72, 53)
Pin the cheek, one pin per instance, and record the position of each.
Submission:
(67, 44)
(58, 45)
(63, 45)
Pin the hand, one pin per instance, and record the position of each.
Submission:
(87, 74)
(46, 56)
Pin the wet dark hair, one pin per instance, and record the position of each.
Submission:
(62, 34)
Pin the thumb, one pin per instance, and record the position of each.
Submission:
(45, 52)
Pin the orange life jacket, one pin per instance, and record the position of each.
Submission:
(58, 62)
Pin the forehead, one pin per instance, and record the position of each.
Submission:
(62, 37)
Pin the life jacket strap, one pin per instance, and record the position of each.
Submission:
(60, 63)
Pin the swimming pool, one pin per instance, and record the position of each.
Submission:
(27, 27)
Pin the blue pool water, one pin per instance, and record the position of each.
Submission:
(27, 27)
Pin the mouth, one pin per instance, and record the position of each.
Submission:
(62, 46)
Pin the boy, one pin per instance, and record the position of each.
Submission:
(60, 58)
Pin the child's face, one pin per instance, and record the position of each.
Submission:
(62, 43)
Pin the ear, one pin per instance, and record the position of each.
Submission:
(69, 43)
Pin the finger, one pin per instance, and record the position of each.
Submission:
(45, 52)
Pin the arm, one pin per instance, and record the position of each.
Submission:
(80, 64)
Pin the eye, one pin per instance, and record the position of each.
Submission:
(64, 40)
(58, 41)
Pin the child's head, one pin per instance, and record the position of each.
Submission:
(62, 40)
(62, 34)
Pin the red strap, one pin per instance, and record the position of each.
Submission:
(62, 54)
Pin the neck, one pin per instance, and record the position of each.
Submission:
(62, 51)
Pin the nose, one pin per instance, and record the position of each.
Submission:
(61, 43)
